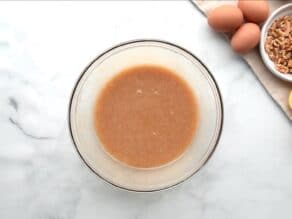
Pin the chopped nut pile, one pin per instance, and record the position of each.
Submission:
(278, 44)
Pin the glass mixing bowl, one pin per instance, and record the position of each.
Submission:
(112, 62)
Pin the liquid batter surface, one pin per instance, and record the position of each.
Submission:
(146, 116)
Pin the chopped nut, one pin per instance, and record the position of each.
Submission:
(278, 44)
(282, 68)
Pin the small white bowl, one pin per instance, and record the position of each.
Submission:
(282, 11)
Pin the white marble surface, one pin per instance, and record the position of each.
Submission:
(43, 48)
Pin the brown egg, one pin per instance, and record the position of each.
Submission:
(255, 11)
(246, 38)
(226, 18)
